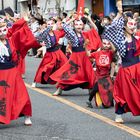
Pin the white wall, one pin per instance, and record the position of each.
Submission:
(47, 8)
(0, 5)
(9, 3)
(88, 4)
(66, 5)
(70, 5)
(23, 7)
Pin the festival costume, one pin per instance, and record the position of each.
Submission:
(53, 59)
(21, 65)
(103, 60)
(14, 98)
(129, 77)
(127, 83)
(77, 71)
(95, 41)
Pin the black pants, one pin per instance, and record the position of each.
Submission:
(63, 49)
(120, 110)
(93, 92)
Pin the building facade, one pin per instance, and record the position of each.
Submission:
(108, 6)
(8, 3)
(133, 5)
(56, 7)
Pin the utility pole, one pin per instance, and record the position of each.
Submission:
(2, 3)
(76, 4)
(45, 6)
(34, 8)
(16, 6)
(58, 6)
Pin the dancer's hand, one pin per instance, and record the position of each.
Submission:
(86, 43)
(119, 6)
(88, 52)
(25, 16)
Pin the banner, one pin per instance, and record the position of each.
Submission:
(80, 9)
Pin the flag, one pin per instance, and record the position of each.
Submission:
(80, 9)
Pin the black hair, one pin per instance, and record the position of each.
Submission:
(107, 17)
(59, 18)
(86, 14)
(94, 16)
(51, 18)
(39, 19)
(126, 16)
(84, 20)
(64, 14)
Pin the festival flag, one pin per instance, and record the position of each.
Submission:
(80, 9)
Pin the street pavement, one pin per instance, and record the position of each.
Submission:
(66, 117)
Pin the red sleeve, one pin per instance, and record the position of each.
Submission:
(94, 38)
(22, 37)
(59, 34)
(93, 55)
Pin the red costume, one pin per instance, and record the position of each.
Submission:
(14, 98)
(95, 41)
(103, 60)
(129, 77)
(77, 72)
(52, 61)
(22, 66)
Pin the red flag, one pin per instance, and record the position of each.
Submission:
(80, 9)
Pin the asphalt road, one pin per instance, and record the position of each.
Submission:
(66, 117)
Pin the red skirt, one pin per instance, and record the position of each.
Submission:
(77, 72)
(105, 86)
(127, 89)
(51, 62)
(14, 98)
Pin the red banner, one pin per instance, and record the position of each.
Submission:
(80, 9)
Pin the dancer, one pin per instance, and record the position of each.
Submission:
(103, 83)
(78, 71)
(54, 58)
(14, 98)
(127, 83)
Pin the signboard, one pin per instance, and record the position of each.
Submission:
(22, 0)
(131, 2)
